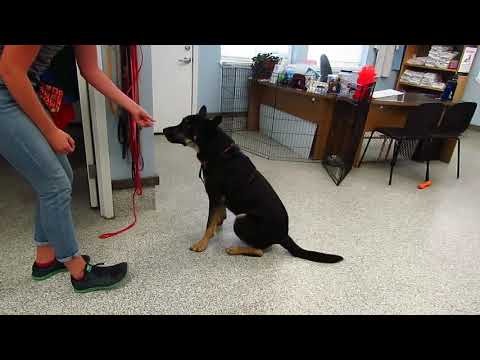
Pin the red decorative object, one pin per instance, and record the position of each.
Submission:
(366, 77)
(51, 96)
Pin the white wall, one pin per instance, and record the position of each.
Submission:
(209, 77)
(472, 90)
(120, 168)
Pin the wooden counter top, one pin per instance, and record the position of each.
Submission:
(319, 109)
(410, 100)
(406, 100)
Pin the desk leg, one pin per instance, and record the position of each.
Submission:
(324, 127)
(447, 149)
(358, 153)
(319, 144)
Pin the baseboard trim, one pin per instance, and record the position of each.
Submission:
(149, 181)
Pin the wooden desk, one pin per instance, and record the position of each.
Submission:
(385, 112)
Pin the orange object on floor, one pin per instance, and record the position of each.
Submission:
(425, 184)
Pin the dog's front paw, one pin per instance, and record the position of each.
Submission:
(199, 246)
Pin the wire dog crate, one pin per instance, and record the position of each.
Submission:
(234, 97)
(280, 135)
(346, 133)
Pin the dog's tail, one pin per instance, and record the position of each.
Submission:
(297, 251)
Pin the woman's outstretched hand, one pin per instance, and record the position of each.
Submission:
(141, 117)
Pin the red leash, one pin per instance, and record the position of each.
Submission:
(134, 141)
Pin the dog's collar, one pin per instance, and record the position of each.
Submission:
(229, 147)
(203, 164)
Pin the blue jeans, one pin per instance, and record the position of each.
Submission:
(26, 149)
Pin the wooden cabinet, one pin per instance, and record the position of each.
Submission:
(412, 51)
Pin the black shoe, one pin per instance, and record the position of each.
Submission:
(57, 267)
(100, 278)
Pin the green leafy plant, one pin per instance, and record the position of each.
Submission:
(263, 65)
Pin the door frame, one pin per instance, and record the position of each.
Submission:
(88, 139)
(195, 57)
(195, 70)
(102, 152)
(99, 150)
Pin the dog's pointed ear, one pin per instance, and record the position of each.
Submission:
(203, 111)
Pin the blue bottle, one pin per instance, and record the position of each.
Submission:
(449, 90)
(289, 73)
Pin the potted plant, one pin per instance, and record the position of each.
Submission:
(263, 65)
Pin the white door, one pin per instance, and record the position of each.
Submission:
(173, 78)
(94, 120)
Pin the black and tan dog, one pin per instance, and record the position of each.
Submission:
(232, 181)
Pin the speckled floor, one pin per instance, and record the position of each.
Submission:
(406, 251)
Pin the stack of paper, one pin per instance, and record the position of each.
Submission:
(386, 93)
(440, 56)
(427, 79)
(417, 61)
(412, 77)
(432, 80)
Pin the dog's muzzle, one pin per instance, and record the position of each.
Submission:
(171, 133)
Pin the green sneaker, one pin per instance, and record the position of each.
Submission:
(100, 277)
(43, 273)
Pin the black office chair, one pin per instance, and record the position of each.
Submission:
(325, 68)
(456, 120)
(420, 122)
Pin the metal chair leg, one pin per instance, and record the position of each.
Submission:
(388, 149)
(427, 173)
(394, 159)
(383, 147)
(458, 158)
(366, 147)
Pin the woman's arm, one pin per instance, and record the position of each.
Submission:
(86, 56)
(15, 62)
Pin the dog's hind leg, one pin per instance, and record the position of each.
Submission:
(246, 228)
(248, 251)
